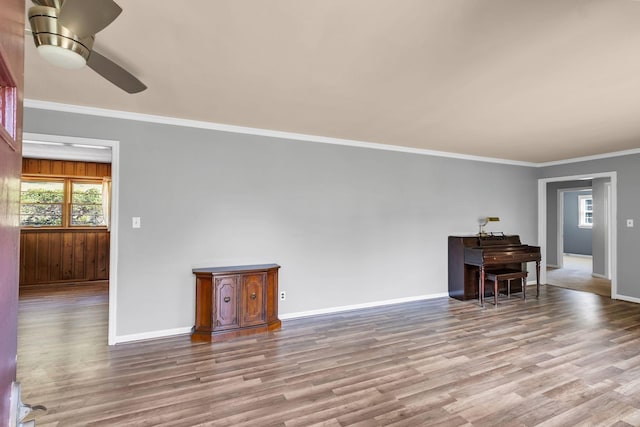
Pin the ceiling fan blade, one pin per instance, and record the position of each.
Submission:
(87, 17)
(114, 73)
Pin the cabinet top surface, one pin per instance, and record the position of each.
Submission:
(235, 268)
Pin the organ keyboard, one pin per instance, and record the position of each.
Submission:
(471, 256)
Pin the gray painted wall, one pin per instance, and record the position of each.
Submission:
(552, 215)
(576, 240)
(348, 225)
(628, 207)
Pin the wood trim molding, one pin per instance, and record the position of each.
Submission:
(46, 168)
(8, 103)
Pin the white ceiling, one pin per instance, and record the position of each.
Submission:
(527, 80)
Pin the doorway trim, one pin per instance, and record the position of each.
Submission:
(613, 227)
(115, 192)
(608, 245)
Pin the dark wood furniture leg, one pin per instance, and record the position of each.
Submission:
(537, 279)
(481, 290)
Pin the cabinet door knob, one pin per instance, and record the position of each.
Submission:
(227, 299)
(253, 296)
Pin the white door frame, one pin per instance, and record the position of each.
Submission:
(613, 227)
(115, 186)
(609, 216)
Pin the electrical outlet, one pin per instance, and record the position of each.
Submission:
(283, 295)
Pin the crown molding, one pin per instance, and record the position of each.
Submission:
(149, 118)
(588, 158)
(125, 115)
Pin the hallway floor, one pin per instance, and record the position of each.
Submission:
(576, 274)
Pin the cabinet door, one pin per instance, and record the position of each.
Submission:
(252, 300)
(225, 294)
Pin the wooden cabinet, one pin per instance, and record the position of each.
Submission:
(235, 301)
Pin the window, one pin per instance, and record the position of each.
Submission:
(61, 203)
(585, 211)
(8, 103)
(86, 203)
(41, 203)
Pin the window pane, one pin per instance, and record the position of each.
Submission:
(585, 213)
(41, 203)
(86, 204)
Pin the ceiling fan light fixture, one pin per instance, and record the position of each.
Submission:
(62, 57)
(55, 43)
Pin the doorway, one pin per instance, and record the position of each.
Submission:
(53, 145)
(583, 222)
(549, 236)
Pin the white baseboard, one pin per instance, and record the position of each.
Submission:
(626, 298)
(599, 276)
(552, 266)
(152, 335)
(120, 339)
(578, 255)
(331, 310)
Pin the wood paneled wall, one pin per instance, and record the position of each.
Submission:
(48, 256)
(63, 255)
(65, 168)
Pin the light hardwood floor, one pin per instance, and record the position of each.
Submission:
(568, 359)
(576, 274)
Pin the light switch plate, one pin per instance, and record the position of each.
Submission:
(629, 223)
(135, 223)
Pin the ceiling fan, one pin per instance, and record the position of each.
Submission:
(64, 32)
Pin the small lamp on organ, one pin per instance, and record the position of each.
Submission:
(484, 221)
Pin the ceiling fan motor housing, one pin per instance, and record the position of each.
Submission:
(47, 31)
(51, 3)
